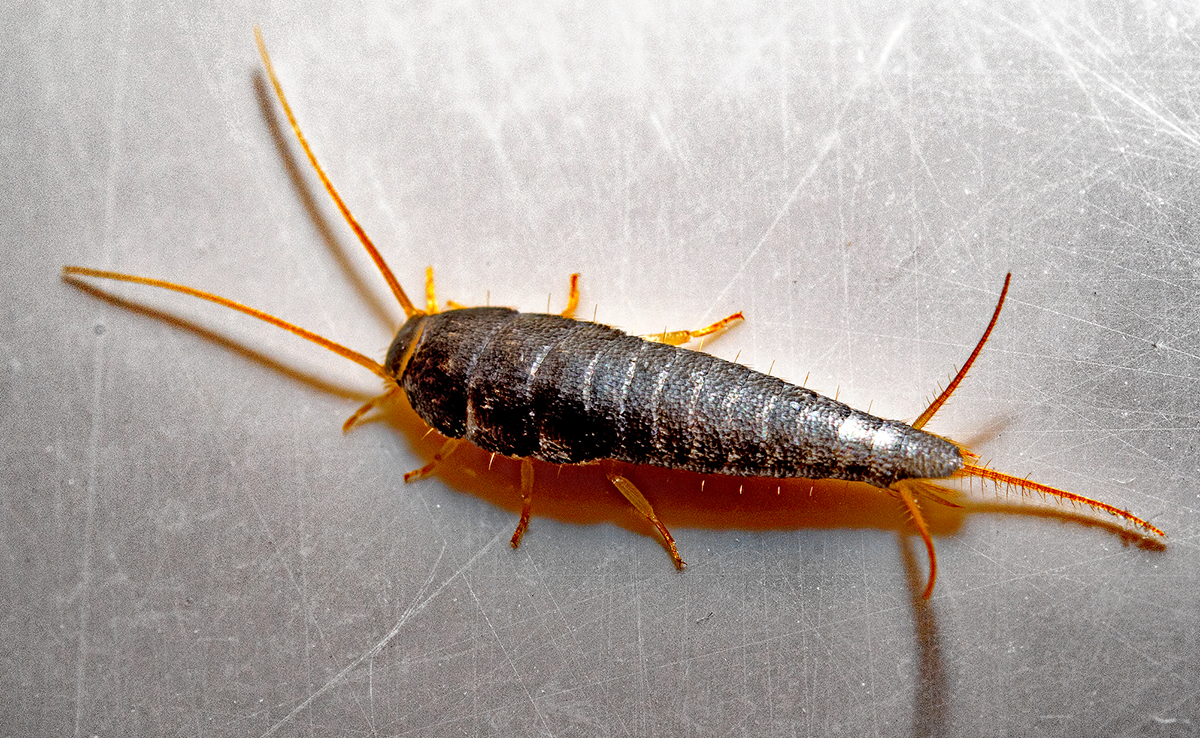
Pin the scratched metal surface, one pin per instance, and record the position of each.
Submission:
(191, 547)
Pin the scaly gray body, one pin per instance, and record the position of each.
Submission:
(569, 392)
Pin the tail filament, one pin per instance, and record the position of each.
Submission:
(999, 478)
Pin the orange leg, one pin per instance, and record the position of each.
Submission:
(634, 495)
(368, 406)
(526, 500)
(431, 305)
(430, 297)
(442, 454)
(572, 298)
(678, 338)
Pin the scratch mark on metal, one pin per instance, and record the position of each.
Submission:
(414, 609)
(120, 80)
(1075, 66)
(826, 146)
(508, 659)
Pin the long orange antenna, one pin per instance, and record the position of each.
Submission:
(409, 309)
(971, 470)
(962, 373)
(69, 272)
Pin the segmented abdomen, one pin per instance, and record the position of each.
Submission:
(567, 391)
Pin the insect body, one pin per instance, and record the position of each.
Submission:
(565, 391)
(568, 392)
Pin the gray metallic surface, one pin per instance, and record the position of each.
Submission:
(191, 546)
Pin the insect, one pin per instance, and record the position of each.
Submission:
(549, 387)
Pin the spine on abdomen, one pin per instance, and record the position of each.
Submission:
(567, 392)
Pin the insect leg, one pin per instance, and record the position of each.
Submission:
(526, 500)
(634, 495)
(430, 297)
(368, 406)
(441, 455)
(678, 338)
(572, 298)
